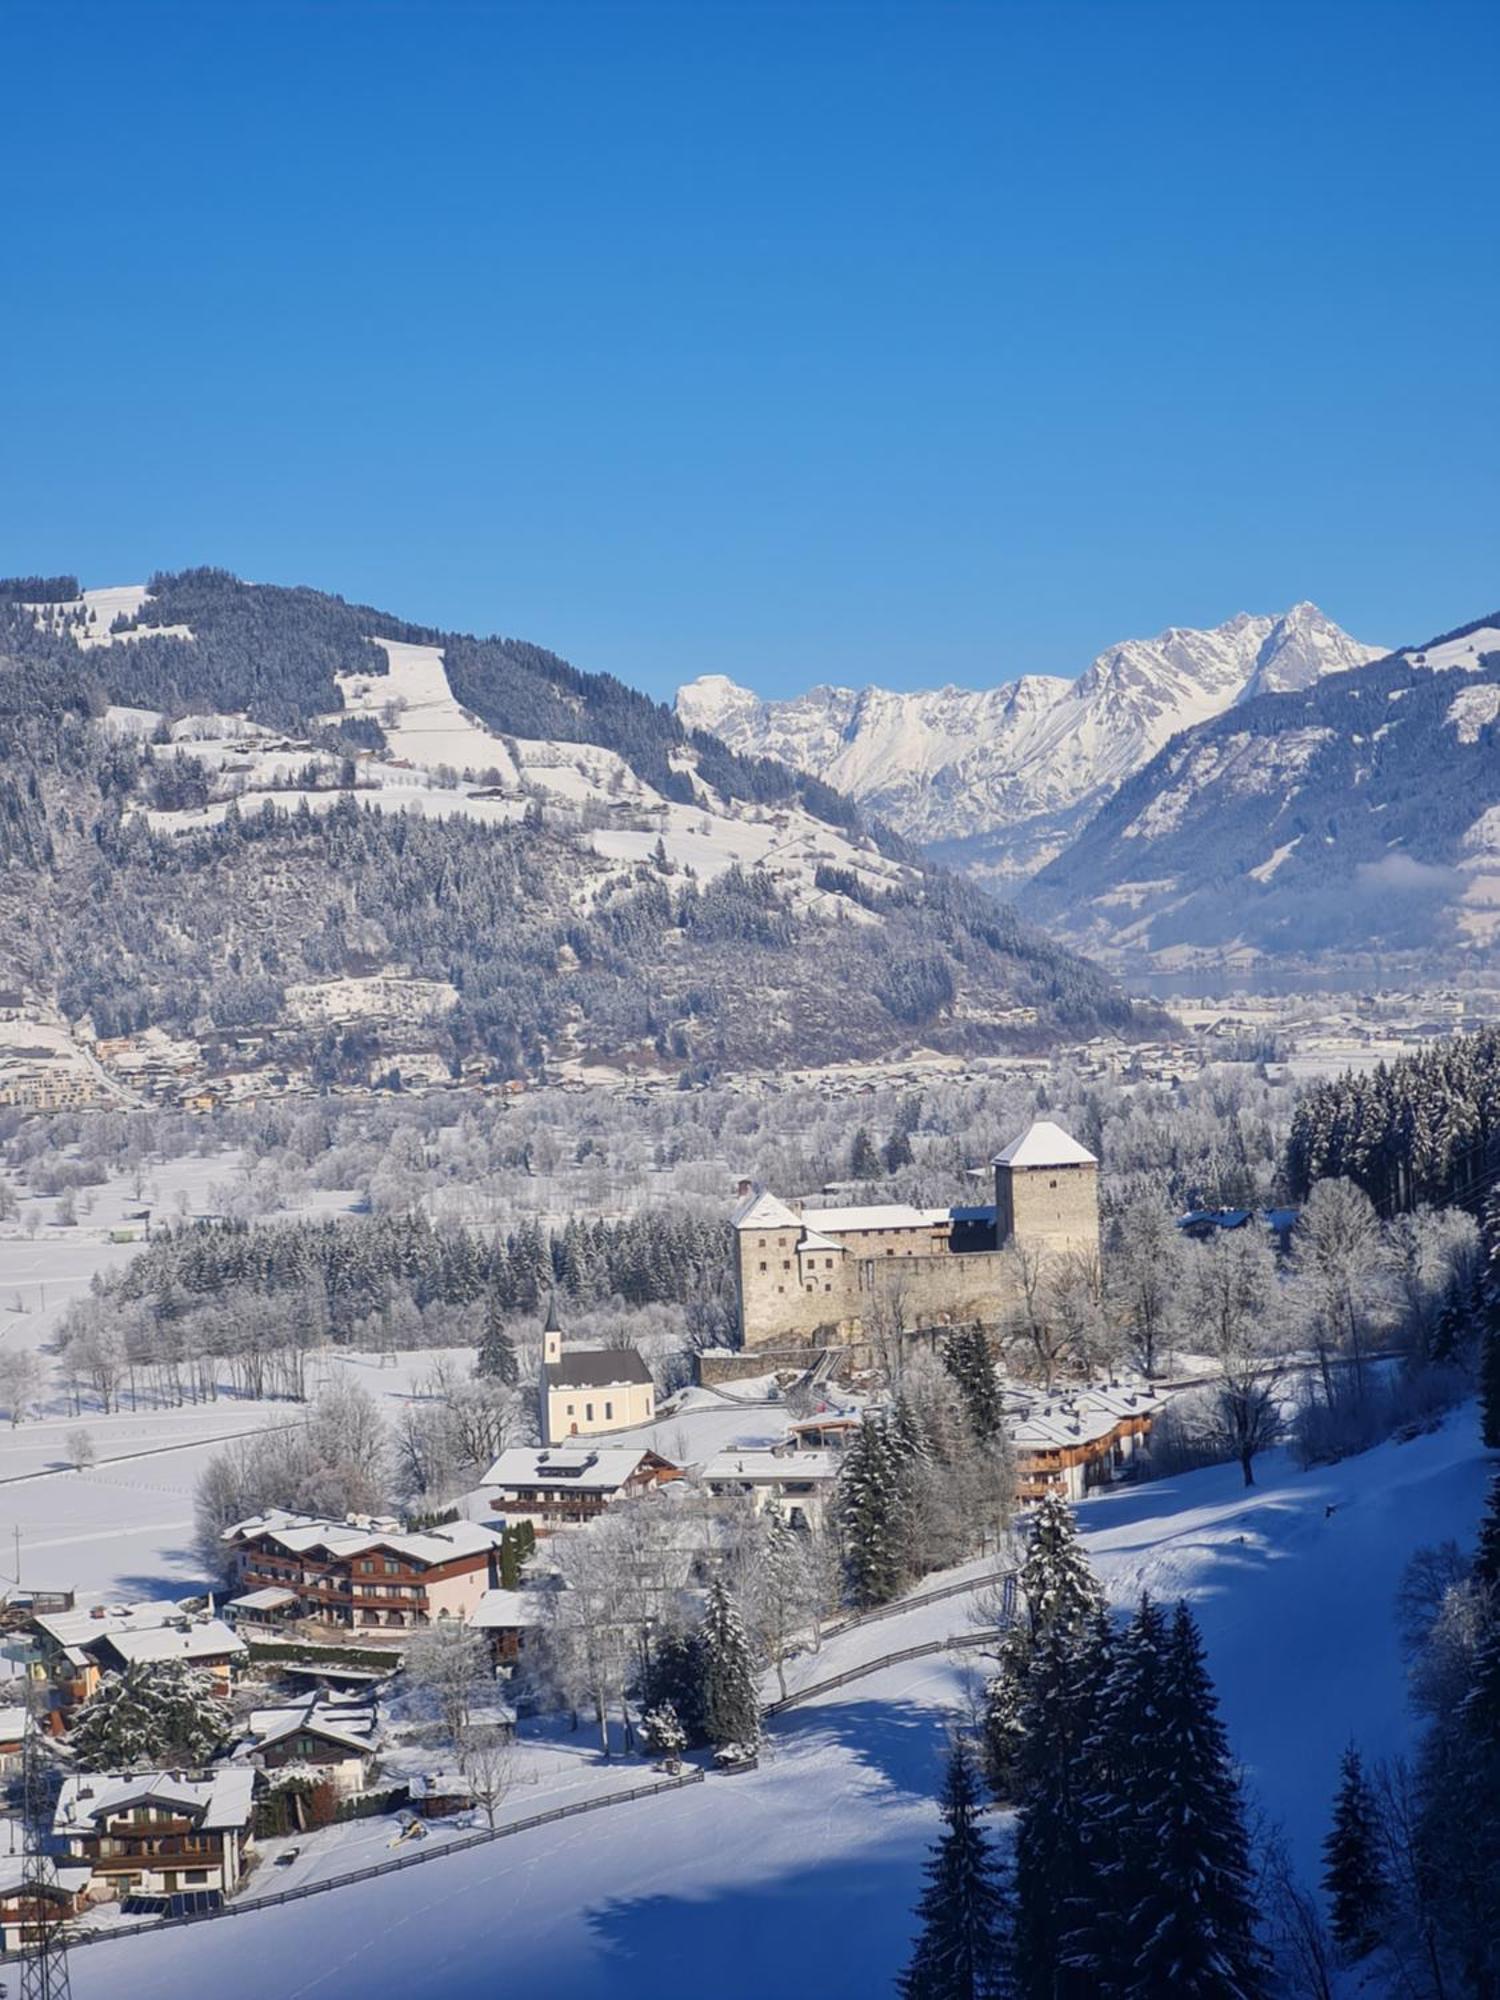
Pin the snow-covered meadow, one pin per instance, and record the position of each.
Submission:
(800, 1876)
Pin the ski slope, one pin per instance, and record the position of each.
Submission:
(800, 1877)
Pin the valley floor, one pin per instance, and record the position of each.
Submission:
(800, 1876)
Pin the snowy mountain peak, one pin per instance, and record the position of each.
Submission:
(1000, 778)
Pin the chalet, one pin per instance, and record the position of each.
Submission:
(555, 1487)
(76, 1648)
(364, 1572)
(507, 1618)
(158, 1834)
(335, 1738)
(591, 1390)
(30, 1904)
(800, 1483)
(1070, 1441)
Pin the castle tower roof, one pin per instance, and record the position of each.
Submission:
(1044, 1144)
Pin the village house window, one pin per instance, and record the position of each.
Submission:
(391, 1568)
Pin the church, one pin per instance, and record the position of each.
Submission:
(811, 1276)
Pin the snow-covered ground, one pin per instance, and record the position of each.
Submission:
(800, 1877)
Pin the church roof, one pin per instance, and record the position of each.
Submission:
(596, 1368)
(1044, 1144)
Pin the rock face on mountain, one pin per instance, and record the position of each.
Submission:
(1348, 820)
(998, 781)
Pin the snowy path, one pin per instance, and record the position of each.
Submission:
(800, 1877)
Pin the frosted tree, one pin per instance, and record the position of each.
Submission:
(1056, 1579)
(873, 1515)
(962, 1950)
(1354, 1869)
(1144, 1278)
(1339, 1261)
(451, 1665)
(731, 1705)
(663, 1734)
(22, 1379)
(496, 1360)
(162, 1713)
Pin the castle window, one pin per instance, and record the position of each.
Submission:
(762, 1270)
(588, 1413)
(781, 1288)
(827, 1263)
(786, 1263)
(827, 1288)
(1052, 1182)
(812, 1287)
(609, 1410)
(761, 1244)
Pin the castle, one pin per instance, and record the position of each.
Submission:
(810, 1276)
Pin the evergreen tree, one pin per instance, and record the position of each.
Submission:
(1489, 1378)
(1064, 1691)
(163, 1712)
(864, 1161)
(1059, 1586)
(673, 1678)
(961, 1950)
(497, 1356)
(1003, 1725)
(1487, 1554)
(967, 1358)
(1197, 1918)
(1354, 1876)
(873, 1515)
(896, 1152)
(731, 1704)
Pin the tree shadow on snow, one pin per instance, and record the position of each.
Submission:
(904, 1741)
(840, 1927)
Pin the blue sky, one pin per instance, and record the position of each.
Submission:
(905, 343)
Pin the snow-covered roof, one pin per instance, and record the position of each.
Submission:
(348, 1724)
(12, 1724)
(875, 1215)
(104, 1621)
(269, 1599)
(17, 1871)
(811, 1240)
(767, 1468)
(508, 1610)
(1044, 1144)
(211, 1639)
(765, 1211)
(299, 1533)
(1045, 1422)
(588, 1471)
(220, 1800)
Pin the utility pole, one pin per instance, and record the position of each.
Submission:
(44, 1938)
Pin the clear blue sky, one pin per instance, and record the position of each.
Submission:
(862, 342)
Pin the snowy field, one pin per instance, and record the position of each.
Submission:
(801, 1876)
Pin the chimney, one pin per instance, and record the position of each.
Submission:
(743, 1189)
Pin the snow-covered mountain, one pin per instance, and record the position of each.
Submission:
(1002, 778)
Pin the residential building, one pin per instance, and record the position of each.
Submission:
(800, 1483)
(809, 1275)
(28, 1905)
(1069, 1441)
(158, 1834)
(364, 1572)
(507, 1618)
(556, 1487)
(77, 1648)
(12, 1737)
(588, 1391)
(335, 1738)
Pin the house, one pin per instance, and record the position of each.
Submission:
(12, 1738)
(336, 1738)
(809, 1273)
(157, 1834)
(590, 1390)
(507, 1618)
(440, 1794)
(75, 1649)
(555, 1487)
(800, 1483)
(33, 1901)
(364, 1572)
(1069, 1441)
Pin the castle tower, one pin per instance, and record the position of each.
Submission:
(1047, 1192)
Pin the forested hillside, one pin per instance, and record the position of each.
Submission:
(140, 890)
(1352, 816)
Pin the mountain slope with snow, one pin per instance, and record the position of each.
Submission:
(1000, 779)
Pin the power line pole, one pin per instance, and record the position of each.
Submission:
(44, 1937)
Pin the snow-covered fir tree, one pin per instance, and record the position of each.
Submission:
(1065, 1690)
(497, 1355)
(1487, 1551)
(1059, 1586)
(1355, 1878)
(1196, 1919)
(872, 1512)
(1003, 1725)
(164, 1712)
(731, 1704)
(673, 1678)
(1489, 1378)
(663, 1733)
(962, 1951)
(967, 1358)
